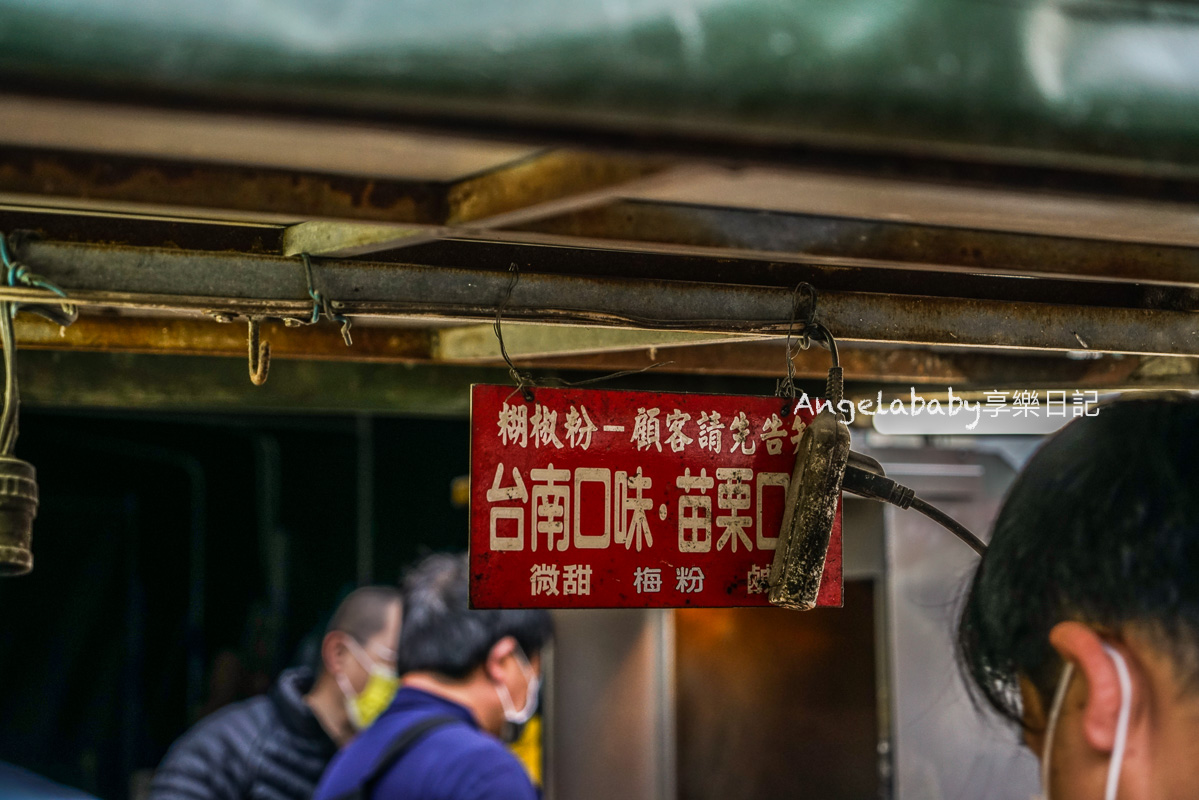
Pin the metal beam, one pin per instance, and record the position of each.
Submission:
(475, 343)
(206, 337)
(252, 139)
(164, 184)
(601, 260)
(75, 380)
(553, 183)
(389, 343)
(274, 286)
(347, 239)
(554, 179)
(842, 241)
(864, 368)
(896, 366)
(140, 229)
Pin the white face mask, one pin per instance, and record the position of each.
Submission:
(1059, 697)
(533, 684)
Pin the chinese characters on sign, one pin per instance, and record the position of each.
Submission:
(600, 499)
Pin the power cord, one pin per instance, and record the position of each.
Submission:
(864, 477)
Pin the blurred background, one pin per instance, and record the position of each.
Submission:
(183, 560)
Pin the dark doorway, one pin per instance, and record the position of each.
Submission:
(181, 562)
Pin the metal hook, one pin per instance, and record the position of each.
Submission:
(259, 354)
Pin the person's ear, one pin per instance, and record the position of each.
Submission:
(334, 652)
(499, 652)
(1081, 645)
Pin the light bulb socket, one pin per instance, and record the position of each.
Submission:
(18, 507)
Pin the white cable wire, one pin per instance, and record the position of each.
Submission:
(1059, 698)
(1113, 770)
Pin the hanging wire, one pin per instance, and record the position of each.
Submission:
(624, 373)
(835, 386)
(803, 310)
(8, 418)
(322, 305)
(949, 523)
(786, 387)
(17, 273)
(524, 381)
(318, 299)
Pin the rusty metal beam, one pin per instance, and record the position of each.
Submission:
(895, 371)
(478, 343)
(607, 262)
(847, 242)
(553, 183)
(145, 230)
(133, 381)
(206, 337)
(551, 179)
(865, 368)
(171, 184)
(351, 239)
(273, 286)
(254, 139)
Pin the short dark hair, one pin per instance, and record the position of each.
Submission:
(442, 634)
(363, 612)
(1102, 527)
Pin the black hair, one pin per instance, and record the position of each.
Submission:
(442, 634)
(1102, 527)
(362, 613)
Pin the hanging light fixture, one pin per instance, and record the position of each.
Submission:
(18, 479)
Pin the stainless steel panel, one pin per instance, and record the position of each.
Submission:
(945, 748)
(612, 732)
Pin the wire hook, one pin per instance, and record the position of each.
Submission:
(803, 310)
(259, 354)
(322, 304)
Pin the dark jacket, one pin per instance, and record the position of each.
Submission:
(267, 748)
(454, 762)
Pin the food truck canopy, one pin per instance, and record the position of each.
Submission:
(985, 195)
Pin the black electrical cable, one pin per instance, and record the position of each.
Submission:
(864, 482)
(949, 523)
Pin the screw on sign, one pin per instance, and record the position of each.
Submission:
(603, 499)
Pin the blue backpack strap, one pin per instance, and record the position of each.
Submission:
(394, 752)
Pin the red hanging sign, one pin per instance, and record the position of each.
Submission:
(602, 499)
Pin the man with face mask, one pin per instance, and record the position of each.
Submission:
(467, 676)
(1082, 622)
(276, 746)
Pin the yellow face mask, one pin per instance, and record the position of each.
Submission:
(364, 707)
